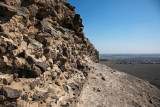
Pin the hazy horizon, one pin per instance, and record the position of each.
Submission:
(121, 26)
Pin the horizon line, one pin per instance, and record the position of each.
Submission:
(129, 53)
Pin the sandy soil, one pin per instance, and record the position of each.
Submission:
(109, 88)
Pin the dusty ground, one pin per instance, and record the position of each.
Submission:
(109, 88)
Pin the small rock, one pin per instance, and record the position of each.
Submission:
(27, 67)
(22, 73)
(57, 83)
(24, 97)
(56, 98)
(2, 98)
(17, 80)
(15, 76)
(36, 97)
(5, 81)
(2, 50)
(93, 77)
(30, 60)
(10, 93)
(7, 11)
(22, 54)
(103, 78)
(42, 65)
(35, 72)
(63, 68)
(96, 89)
(65, 88)
(34, 84)
(65, 36)
(10, 82)
(150, 101)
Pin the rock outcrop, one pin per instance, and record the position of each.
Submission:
(42, 53)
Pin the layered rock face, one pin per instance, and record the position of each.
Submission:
(42, 53)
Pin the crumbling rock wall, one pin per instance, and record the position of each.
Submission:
(42, 53)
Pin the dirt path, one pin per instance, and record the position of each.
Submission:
(110, 88)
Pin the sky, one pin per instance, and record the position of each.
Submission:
(121, 26)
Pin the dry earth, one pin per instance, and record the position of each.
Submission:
(110, 88)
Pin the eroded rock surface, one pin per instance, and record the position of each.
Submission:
(42, 51)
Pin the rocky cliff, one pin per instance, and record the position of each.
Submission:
(42, 53)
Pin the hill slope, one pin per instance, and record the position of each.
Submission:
(110, 88)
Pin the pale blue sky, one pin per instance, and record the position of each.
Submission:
(121, 26)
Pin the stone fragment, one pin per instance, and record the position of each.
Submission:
(24, 97)
(30, 60)
(22, 54)
(19, 62)
(27, 2)
(15, 76)
(63, 68)
(57, 83)
(65, 36)
(10, 82)
(103, 78)
(62, 59)
(34, 46)
(40, 96)
(34, 84)
(65, 88)
(40, 37)
(77, 22)
(46, 51)
(6, 12)
(27, 67)
(22, 74)
(48, 42)
(45, 25)
(56, 98)
(17, 80)
(33, 10)
(69, 6)
(2, 50)
(36, 97)
(35, 72)
(5, 81)
(23, 12)
(10, 93)
(42, 65)
(80, 64)
(2, 98)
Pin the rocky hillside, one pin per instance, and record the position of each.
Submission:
(42, 52)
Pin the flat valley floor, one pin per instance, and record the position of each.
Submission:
(147, 72)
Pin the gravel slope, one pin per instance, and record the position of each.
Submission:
(110, 88)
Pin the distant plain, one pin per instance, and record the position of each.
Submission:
(147, 72)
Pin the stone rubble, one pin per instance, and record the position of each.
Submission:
(42, 53)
